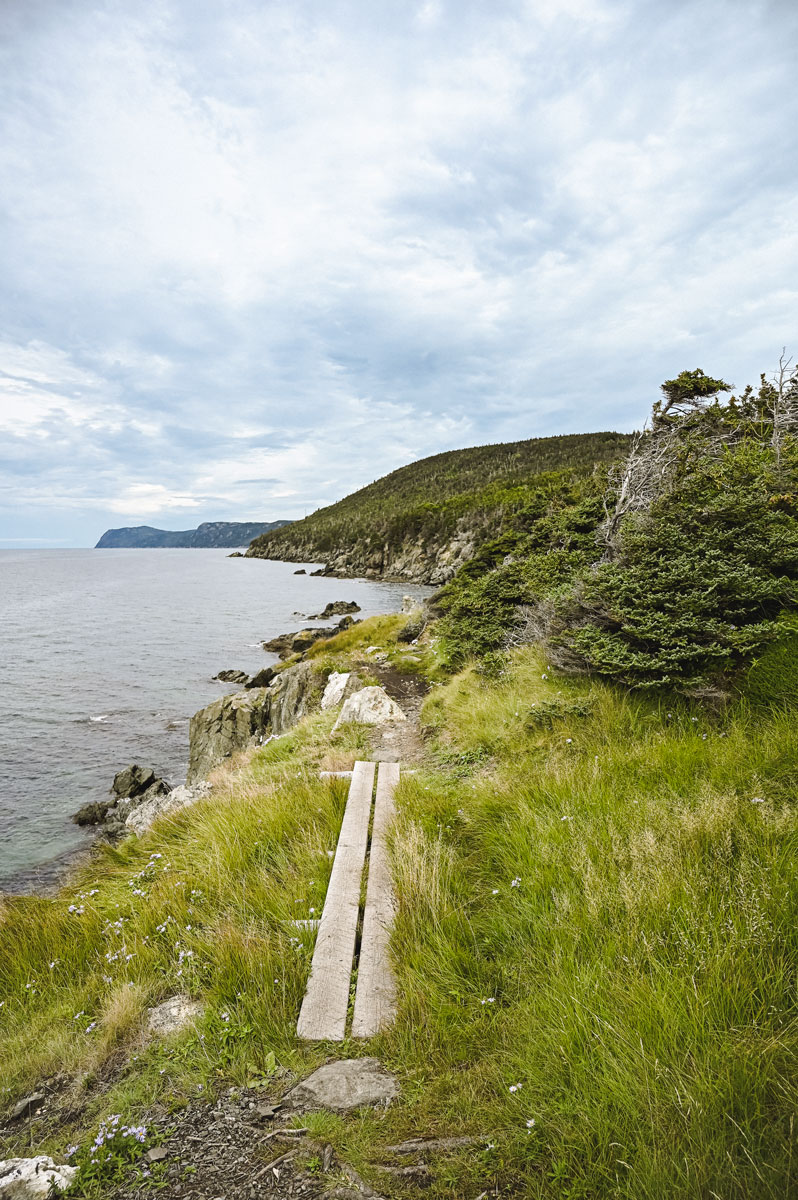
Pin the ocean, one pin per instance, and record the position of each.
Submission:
(105, 656)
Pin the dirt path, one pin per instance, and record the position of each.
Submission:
(401, 742)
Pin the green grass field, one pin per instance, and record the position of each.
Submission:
(595, 948)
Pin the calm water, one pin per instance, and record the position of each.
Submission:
(107, 653)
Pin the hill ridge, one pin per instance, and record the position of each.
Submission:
(208, 535)
(421, 522)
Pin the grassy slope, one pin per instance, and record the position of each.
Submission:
(592, 867)
(428, 496)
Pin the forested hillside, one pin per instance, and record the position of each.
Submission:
(425, 520)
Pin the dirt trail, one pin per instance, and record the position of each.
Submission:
(401, 742)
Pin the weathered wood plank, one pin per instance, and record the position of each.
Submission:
(375, 999)
(323, 1013)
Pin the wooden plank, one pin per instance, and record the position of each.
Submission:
(323, 1013)
(375, 999)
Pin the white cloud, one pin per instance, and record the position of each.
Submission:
(145, 499)
(301, 243)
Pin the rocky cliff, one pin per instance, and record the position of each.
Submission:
(223, 535)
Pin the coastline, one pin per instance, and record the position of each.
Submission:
(47, 877)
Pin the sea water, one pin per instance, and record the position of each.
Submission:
(105, 654)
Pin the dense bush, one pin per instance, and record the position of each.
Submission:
(699, 580)
(676, 573)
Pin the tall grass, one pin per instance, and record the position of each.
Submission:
(611, 926)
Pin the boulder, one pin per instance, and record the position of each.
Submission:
(23, 1177)
(301, 571)
(293, 692)
(146, 813)
(232, 676)
(280, 644)
(370, 706)
(303, 640)
(408, 604)
(236, 554)
(227, 725)
(172, 1015)
(340, 685)
(335, 608)
(261, 678)
(414, 626)
(26, 1105)
(135, 780)
(350, 1083)
(93, 813)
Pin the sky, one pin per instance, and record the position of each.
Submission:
(257, 254)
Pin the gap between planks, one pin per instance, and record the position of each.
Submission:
(375, 998)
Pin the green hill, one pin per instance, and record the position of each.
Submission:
(423, 521)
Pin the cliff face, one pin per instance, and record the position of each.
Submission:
(433, 560)
(223, 535)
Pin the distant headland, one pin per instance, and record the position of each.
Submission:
(209, 535)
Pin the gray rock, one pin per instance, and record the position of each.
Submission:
(370, 706)
(335, 608)
(24, 1177)
(93, 813)
(414, 625)
(135, 780)
(301, 571)
(280, 644)
(340, 685)
(261, 679)
(227, 725)
(26, 1105)
(232, 676)
(145, 814)
(293, 693)
(172, 1015)
(351, 1083)
(303, 640)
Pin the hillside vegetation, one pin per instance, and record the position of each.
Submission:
(678, 572)
(425, 520)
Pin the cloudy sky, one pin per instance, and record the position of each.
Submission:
(258, 253)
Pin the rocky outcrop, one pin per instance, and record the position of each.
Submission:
(146, 813)
(134, 781)
(294, 692)
(432, 560)
(40, 1176)
(340, 685)
(370, 706)
(286, 644)
(227, 725)
(232, 676)
(131, 788)
(261, 678)
(335, 608)
(414, 626)
(238, 720)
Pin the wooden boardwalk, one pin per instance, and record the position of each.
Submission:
(324, 1008)
(375, 999)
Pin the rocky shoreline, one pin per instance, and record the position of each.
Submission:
(268, 704)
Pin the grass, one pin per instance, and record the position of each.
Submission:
(595, 946)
